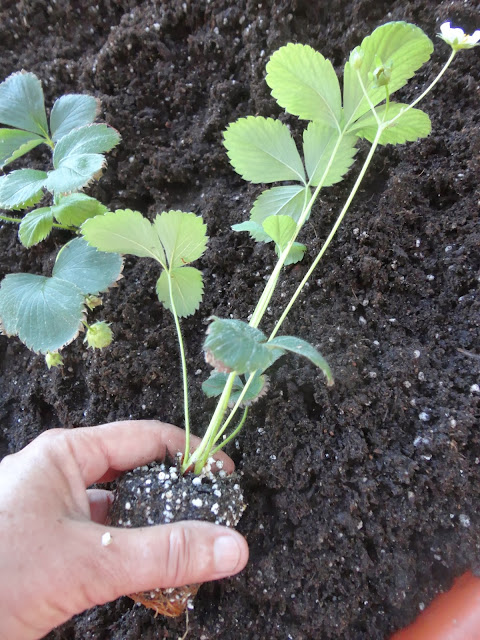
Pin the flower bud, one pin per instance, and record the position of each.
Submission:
(93, 301)
(53, 359)
(99, 335)
(356, 58)
(382, 75)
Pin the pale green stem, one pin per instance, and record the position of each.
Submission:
(233, 434)
(184, 364)
(367, 97)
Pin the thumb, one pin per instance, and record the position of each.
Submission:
(169, 555)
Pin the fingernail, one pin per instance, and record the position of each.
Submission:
(226, 553)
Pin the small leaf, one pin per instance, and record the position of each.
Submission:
(183, 236)
(295, 254)
(74, 209)
(124, 231)
(319, 142)
(90, 270)
(70, 112)
(262, 150)
(239, 347)
(22, 104)
(411, 126)
(280, 229)
(214, 385)
(302, 348)
(35, 226)
(90, 139)
(254, 229)
(288, 200)
(305, 84)
(45, 313)
(187, 290)
(21, 189)
(15, 143)
(74, 172)
(403, 47)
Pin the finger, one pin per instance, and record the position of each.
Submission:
(119, 446)
(160, 556)
(100, 502)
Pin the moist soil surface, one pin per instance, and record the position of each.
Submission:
(363, 498)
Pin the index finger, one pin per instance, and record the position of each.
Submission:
(119, 446)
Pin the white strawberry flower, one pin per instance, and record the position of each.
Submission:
(457, 38)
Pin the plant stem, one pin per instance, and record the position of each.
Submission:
(233, 434)
(184, 365)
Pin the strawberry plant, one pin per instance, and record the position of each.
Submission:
(47, 312)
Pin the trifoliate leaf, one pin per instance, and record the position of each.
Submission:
(22, 104)
(90, 139)
(187, 290)
(74, 172)
(183, 236)
(302, 348)
(14, 143)
(280, 229)
(214, 385)
(402, 47)
(319, 142)
(262, 150)
(70, 112)
(45, 313)
(22, 188)
(74, 209)
(296, 253)
(410, 126)
(305, 84)
(124, 231)
(90, 270)
(35, 226)
(235, 346)
(254, 229)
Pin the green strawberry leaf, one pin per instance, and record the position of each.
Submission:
(90, 270)
(74, 172)
(22, 104)
(89, 139)
(214, 385)
(183, 236)
(296, 253)
(72, 111)
(124, 231)
(15, 143)
(410, 126)
(305, 84)
(74, 209)
(262, 150)
(187, 290)
(319, 141)
(21, 189)
(303, 348)
(280, 229)
(35, 226)
(254, 229)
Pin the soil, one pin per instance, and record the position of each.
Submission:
(363, 498)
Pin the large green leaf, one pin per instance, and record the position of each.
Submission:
(74, 209)
(234, 345)
(262, 150)
(70, 112)
(74, 172)
(14, 143)
(319, 142)
(21, 189)
(403, 46)
(280, 229)
(35, 226)
(22, 104)
(45, 313)
(214, 385)
(183, 236)
(305, 84)
(124, 231)
(187, 290)
(303, 348)
(90, 139)
(90, 270)
(410, 126)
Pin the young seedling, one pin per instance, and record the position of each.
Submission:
(47, 313)
(262, 150)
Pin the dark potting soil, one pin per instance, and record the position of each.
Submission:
(363, 498)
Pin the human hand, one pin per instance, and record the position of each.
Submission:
(52, 562)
